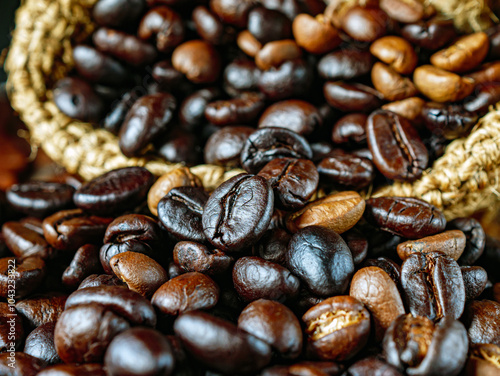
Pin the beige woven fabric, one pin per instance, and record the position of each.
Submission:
(462, 181)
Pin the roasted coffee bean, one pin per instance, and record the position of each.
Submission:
(40, 198)
(337, 328)
(11, 328)
(294, 181)
(389, 266)
(345, 64)
(241, 75)
(421, 347)
(167, 77)
(180, 146)
(398, 153)
(475, 280)
(180, 213)
(41, 309)
(20, 364)
(85, 263)
(125, 47)
(96, 280)
(248, 43)
(448, 120)
(268, 25)
(463, 55)
(224, 147)
(192, 109)
(440, 85)
(186, 292)
(40, 343)
(351, 97)
(114, 119)
(179, 177)
(392, 85)
(273, 246)
(269, 143)
(364, 24)
(374, 367)
(431, 34)
(357, 243)
(433, 285)
(296, 115)
(476, 239)
(255, 278)
(403, 10)
(321, 259)
(210, 27)
(139, 351)
(410, 108)
(292, 8)
(291, 79)
(305, 368)
(149, 117)
(347, 171)
(315, 34)
(396, 52)
(274, 54)
(243, 109)
(198, 60)
(164, 25)
(117, 13)
(74, 370)
(224, 347)
(275, 324)
(486, 96)
(451, 243)
(338, 212)
(482, 320)
(350, 129)
(233, 12)
(483, 360)
(24, 242)
(195, 257)
(373, 287)
(114, 191)
(98, 67)
(405, 216)
(28, 275)
(496, 292)
(76, 99)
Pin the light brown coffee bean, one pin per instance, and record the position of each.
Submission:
(406, 11)
(198, 60)
(396, 52)
(365, 24)
(451, 243)
(440, 85)
(391, 84)
(273, 54)
(248, 43)
(180, 177)
(463, 55)
(410, 108)
(338, 212)
(315, 34)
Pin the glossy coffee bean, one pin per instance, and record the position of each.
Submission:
(482, 320)
(198, 60)
(347, 171)
(357, 243)
(269, 143)
(24, 242)
(448, 120)
(139, 351)
(351, 97)
(20, 364)
(338, 212)
(117, 190)
(433, 285)
(275, 324)
(305, 368)
(210, 27)
(420, 347)
(274, 54)
(290, 79)
(164, 25)
(29, 274)
(273, 246)
(97, 67)
(475, 281)
(233, 12)
(125, 47)
(114, 119)
(224, 347)
(268, 25)
(40, 344)
(404, 11)
(11, 328)
(451, 243)
(373, 287)
(475, 239)
(387, 265)
(241, 75)
(397, 149)
(117, 13)
(410, 108)
(350, 129)
(255, 278)
(248, 43)
(315, 34)
(89, 369)
(337, 328)
(195, 257)
(345, 64)
(374, 367)
(76, 99)
(294, 181)
(243, 109)
(96, 280)
(223, 148)
(392, 85)
(431, 34)
(296, 115)
(486, 96)
(38, 310)
(404, 216)
(85, 263)
(321, 259)
(180, 146)
(192, 109)
(167, 77)
(396, 52)
(364, 24)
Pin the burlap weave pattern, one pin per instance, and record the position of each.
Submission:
(463, 180)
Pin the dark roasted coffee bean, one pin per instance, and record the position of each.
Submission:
(337, 328)
(294, 181)
(20, 364)
(241, 75)
(451, 243)
(40, 198)
(357, 243)
(90, 369)
(40, 343)
(28, 275)
(422, 348)
(164, 25)
(432, 34)
(273, 246)
(99, 68)
(210, 27)
(268, 25)
(475, 239)
(114, 119)
(243, 109)
(269, 143)
(41, 309)
(296, 115)
(179, 146)
(85, 263)
(405, 216)
(239, 352)
(11, 328)
(365, 24)
(448, 120)
(351, 97)
(475, 281)
(321, 259)
(167, 77)
(397, 149)
(224, 147)
(186, 292)
(290, 79)
(238, 212)
(482, 320)
(485, 96)
(76, 99)
(125, 47)
(274, 54)
(195, 257)
(198, 60)
(494, 36)
(96, 280)
(275, 324)
(192, 109)
(347, 171)
(372, 366)
(255, 278)
(433, 285)
(117, 13)
(114, 191)
(305, 368)
(24, 242)
(350, 129)
(345, 64)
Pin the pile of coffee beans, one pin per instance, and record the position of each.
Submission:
(369, 93)
(132, 275)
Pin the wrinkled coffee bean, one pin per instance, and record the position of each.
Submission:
(347, 171)
(40, 343)
(475, 239)
(195, 257)
(475, 280)
(38, 310)
(482, 320)
(451, 243)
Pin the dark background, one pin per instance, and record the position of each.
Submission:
(7, 11)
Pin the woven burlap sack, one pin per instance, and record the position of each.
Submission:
(464, 180)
